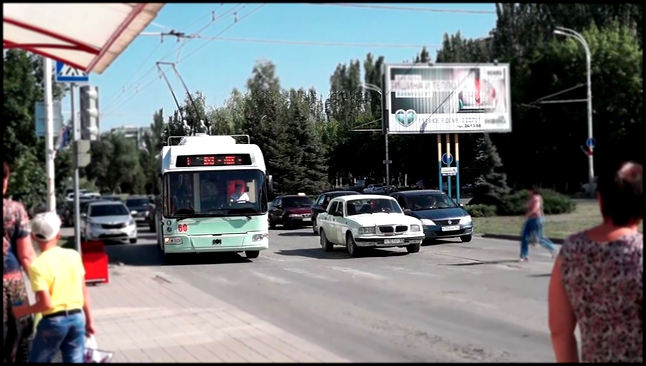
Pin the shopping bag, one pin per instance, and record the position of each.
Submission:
(93, 354)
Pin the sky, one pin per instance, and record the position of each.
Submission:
(131, 89)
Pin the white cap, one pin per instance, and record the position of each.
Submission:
(45, 226)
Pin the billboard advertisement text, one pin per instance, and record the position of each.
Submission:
(447, 98)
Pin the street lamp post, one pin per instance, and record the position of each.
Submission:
(588, 61)
(377, 89)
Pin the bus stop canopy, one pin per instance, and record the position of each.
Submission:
(85, 36)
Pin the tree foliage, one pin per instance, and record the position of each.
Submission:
(313, 139)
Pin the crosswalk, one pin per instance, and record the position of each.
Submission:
(285, 270)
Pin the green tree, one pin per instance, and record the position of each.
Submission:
(491, 186)
(24, 151)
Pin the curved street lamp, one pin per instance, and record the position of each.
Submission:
(588, 61)
(375, 88)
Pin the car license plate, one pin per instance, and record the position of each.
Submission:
(308, 219)
(451, 228)
(393, 241)
(114, 231)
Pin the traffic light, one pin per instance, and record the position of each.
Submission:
(89, 112)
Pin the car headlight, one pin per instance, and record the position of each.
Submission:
(466, 220)
(133, 212)
(131, 222)
(366, 230)
(415, 228)
(95, 225)
(427, 222)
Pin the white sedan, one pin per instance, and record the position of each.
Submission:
(368, 221)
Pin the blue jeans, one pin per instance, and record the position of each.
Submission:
(65, 333)
(534, 229)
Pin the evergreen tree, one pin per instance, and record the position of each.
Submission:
(491, 186)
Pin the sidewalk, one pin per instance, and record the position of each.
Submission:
(144, 316)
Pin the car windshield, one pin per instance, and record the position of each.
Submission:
(431, 201)
(137, 202)
(108, 210)
(297, 202)
(372, 205)
(214, 193)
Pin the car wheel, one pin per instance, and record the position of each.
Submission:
(465, 238)
(327, 245)
(413, 248)
(351, 245)
(252, 253)
(133, 241)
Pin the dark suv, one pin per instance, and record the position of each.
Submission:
(290, 211)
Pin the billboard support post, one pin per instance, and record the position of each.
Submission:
(448, 153)
(439, 160)
(457, 167)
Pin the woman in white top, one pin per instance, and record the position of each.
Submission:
(533, 228)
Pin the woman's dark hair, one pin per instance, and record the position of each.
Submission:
(5, 171)
(620, 188)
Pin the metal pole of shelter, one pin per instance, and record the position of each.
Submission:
(49, 135)
(439, 160)
(588, 61)
(76, 131)
(457, 167)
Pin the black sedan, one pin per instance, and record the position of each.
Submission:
(138, 207)
(441, 217)
(321, 202)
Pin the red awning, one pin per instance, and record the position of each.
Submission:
(85, 36)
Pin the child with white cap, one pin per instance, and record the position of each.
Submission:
(58, 279)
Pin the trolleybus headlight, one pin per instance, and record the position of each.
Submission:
(259, 237)
(173, 240)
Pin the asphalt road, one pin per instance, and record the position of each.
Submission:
(451, 302)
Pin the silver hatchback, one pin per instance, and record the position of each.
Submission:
(108, 221)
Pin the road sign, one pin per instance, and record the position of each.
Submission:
(446, 98)
(449, 171)
(41, 118)
(68, 74)
(591, 142)
(447, 159)
(387, 161)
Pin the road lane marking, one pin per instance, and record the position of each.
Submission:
(270, 278)
(310, 274)
(356, 272)
(415, 273)
(469, 302)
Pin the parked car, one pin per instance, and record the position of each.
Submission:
(368, 221)
(108, 221)
(290, 211)
(68, 218)
(322, 201)
(139, 208)
(376, 188)
(440, 215)
(111, 197)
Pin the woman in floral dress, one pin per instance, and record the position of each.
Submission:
(17, 252)
(597, 280)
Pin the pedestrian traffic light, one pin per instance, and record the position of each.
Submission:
(89, 112)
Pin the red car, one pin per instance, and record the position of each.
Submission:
(290, 211)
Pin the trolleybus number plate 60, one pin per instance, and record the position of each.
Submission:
(182, 228)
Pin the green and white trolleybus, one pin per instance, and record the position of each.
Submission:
(213, 197)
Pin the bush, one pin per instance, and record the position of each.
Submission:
(554, 203)
(481, 210)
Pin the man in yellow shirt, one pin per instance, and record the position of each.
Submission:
(58, 278)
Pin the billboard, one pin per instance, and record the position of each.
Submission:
(447, 98)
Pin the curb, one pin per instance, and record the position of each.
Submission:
(517, 238)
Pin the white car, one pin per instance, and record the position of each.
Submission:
(368, 221)
(374, 189)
